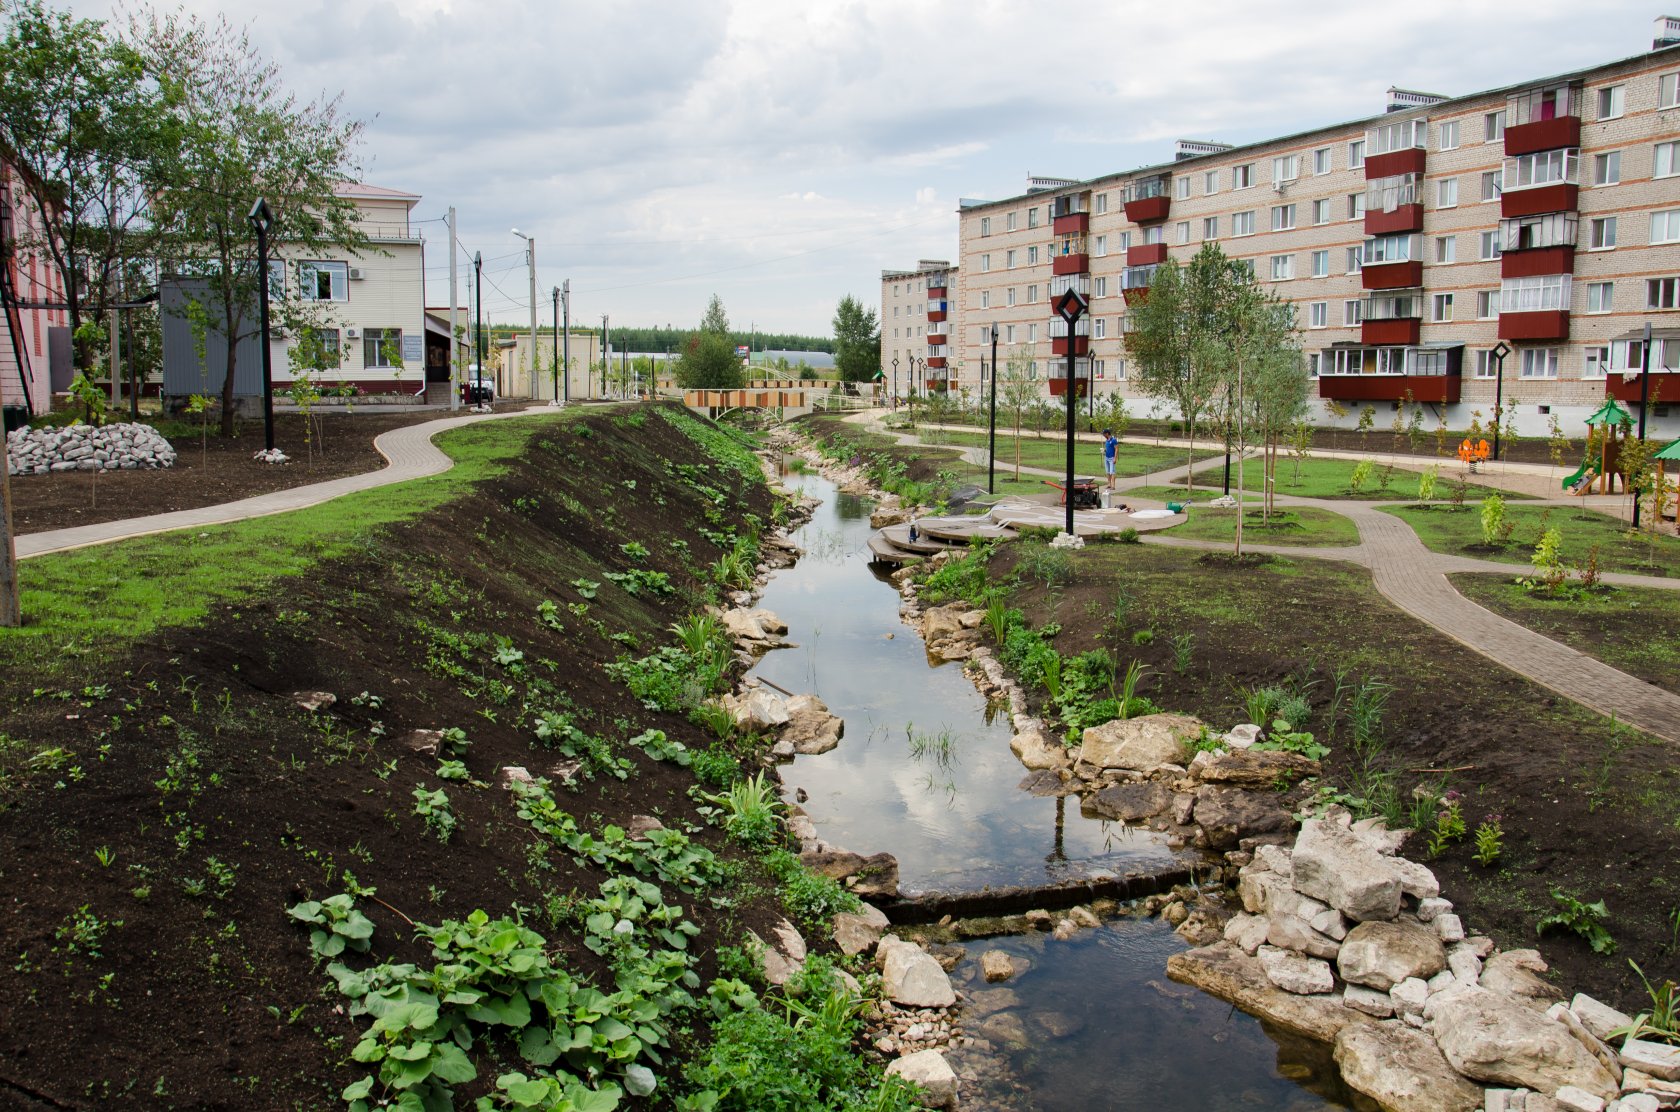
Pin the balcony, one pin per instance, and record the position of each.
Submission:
(937, 338)
(1081, 345)
(1531, 262)
(1071, 263)
(1538, 199)
(1430, 389)
(1408, 160)
(1072, 222)
(935, 362)
(1544, 324)
(1146, 254)
(1147, 200)
(1078, 283)
(1397, 330)
(1058, 387)
(935, 315)
(937, 289)
(1543, 120)
(1391, 276)
(1401, 219)
(1665, 384)
(1134, 283)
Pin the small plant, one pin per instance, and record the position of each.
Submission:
(104, 855)
(1449, 826)
(338, 925)
(1184, 647)
(1585, 919)
(1362, 472)
(1370, 701)
(1260, 704)
(434, 809)
(1131, 703)
(1128, 535)
(1000, 619)
(1493, 519)
(1490, 841)
(1426, 484)
(1662, 1022)
(1143, 637)
(1548, 560)
(749, 810)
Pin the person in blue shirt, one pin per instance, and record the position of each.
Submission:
(1110, 443)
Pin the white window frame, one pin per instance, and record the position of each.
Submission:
(1668, 90)
(1210, 227)
(1181, 188)
(1321, 211)
(1491, 248)
(1355, 259)
(311, 271)
(1323, 161)
(1356, 206)
(1601, 297)
(1009, 298)
(985, 225)
(985, 263)
(1538, 363)
(1607, 168)
(1665, 160)
(1286, 168)
(1100, 286)
(1210, 182)
(1601, 233)
(1446, 135)
(1356, 154)
(1242, 176)
(1487, 304)
(985, 299)
(1318, 314)
(1493, 126)
(1446, 249)
(1283, 218)
(1101, 203)
(1441, 308)
(1665, 226)
(1241, 221)
(1661, 294)
(1283, 268)
(1321, 263)
(1010, 220)
(1595, 361)
(1099, 328)
(1009, 259)
(1540, 293)
(1446, 193)
(1611, 102)
(1350, 312)
(1182, 230)
(374, 355)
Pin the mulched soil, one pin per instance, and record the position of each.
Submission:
(188, 751)
(212, 472)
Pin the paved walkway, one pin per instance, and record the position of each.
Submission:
(1415, 579)
(409, 454)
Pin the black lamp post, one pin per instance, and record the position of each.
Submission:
(991, 455)
(1070, 307)
(478, 325)
(262, 219)
(1644, 404)
(556, 352)
(895, 384)
(1499, 352)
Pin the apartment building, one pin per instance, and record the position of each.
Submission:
(915, 327)
(1518, 239)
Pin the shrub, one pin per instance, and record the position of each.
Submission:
(1493, 519)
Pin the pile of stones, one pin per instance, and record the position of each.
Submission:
(125, 447)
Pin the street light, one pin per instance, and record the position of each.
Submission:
(1070, 307)
(262, 219)
(531, 266)
(1644, 404)
(556, 352)
(1499, 352)
(895, 384)
(991, 456)
(478, 324)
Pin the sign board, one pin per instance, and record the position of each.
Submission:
(743, 351)
(413, 349)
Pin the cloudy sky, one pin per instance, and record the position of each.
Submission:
(782, 152)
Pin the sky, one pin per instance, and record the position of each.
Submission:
(781, 153)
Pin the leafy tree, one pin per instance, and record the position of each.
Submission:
(716, 321)
(1018, 393)
(857, 341)
(709, 362)
(1170, 338)
(239, 136)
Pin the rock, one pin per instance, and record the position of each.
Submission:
(1429, 910)
(1382, 955)
(1243, 736)
(1402, 1070)
(1224, 971)
(1330, 923)
(1035, 751)
(1175, 912)
(783, 955)
(1367, 1000)
(810, 727)
(640, 826)
(1510, 974)
(1599, 1018)
(857, 933)
(948, 957)
(314, 701)
(1335, 865)
(757, 708)
(1634, 1080)
(1289, 933)
(1376, 834)
(941, 622)
(423, 742)
(1140, 744)
(1128, 802)
(1066, 929)
(1058, 1025)
(931, 1073)
(1275, 859)
(1039, 919)
(1595, 1046)
(1006, 1028)
(1227, 815)
(1246, 931)
(1657, 1059)
(1448, 927)
(913, 977)
(515, 774)
(1577, 1100)
(1084, 917)
(1488, 1037)
(1258, 768)
(1409, 996)
(980, 1003)
(757, 628)
(1296, 973)
(1465, 965)
(1638, 1102)
(996, 966)
(1416, 880)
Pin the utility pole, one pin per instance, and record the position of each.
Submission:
(478, 317)
(566, 339)
(555, 353)
(606, 354)
(454, 352)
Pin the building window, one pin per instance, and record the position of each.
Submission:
(1665, 226)
(1183, 230)
(1032, 217)
(1446, 193)
(1595, 360)
(1391, 249)
(1283, 218)
(1321, 264)
(1350, 312)
(1157, 234)
(1493, 184)
(1032, 256)
(324, 281)
(1539, 362)
(1662, 293)
(1210, 183)
(1125, 241)
(1009, 296)
(985, 263)
(1242, 223)
(381, 347)
(1321, 211)
(1612, 101)
(1490, 246)
(1537, 294)
(1210, 227)
(1102, 203)
(1242, 176)
(985, 225)
(1607, 168)
(1447, 135)
(1009, 259)
(1355, 206)
(1099, 328)
(1493, 126)
(1356, 154)
(1181, 188)
(1441, 308)
(1314, 360)
(985, 299)
(1446, 249)
(1603, 233)
(1663, 161)
(1487, 304)
(1101, 287)
(1009, 222)
(1032, 333)
(1283, 268)
(1099, 246)
(328, 339)
(1119, 370)
(1543, 168)
(1599, 295)
(1286, 168)
(1032, 292)
(1355, 259)
(1668, 90)
(1009, 333)
(1321, 160)
(1318, 314)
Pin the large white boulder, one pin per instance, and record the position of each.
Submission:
(757, 708)
(1035, 751)
(1296, 973)
(1140, 744)
(1333, 864)
(1491, 1038)
(913, 977)
(1402, 1070)
(811, 729)
(1383, 955)
(931, 1073)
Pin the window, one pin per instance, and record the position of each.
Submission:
(1390, 249)
(1210, 183)
(1524, 233)
(1493, 126)
(1120, 367)
(1446, 193)
(1612, 101)
(1490, 246)
(1283, 218)
(1321, 264)
(381, 346)
(1599, 295)
(1447, 136)
(1542, 168)
(1100, 291)
(1493, 184)
(1350, 312)
(1446, 249)
(1314, 361)
(1321, 161)
(1125, 241)
(1009, 260)
(1321, 212)
(1537, 294)
(1441, 308)
(1355, 206)
(1009, 296)
(1355, 260)
(1032, 217)
(1099, 329)
(895, 310)
(985, 263)
(1487, 304)
(277, 280)
(1210, 227)
(1032, 333)
(1603, 233)
(1032, 291)
(1009, 333)
(1101, 368)
(328, 339)
(1242, 176)
(1484, 364)
(1356, 154)
(1157, 234)
(1399, 136)
(985, 225)
(1607, 168)
(1032, 256)
(985, 299)
(322, 281)
(1283, 268)
(1665, 226)
(1286, 168)
(1099, 246)
(1102, 203)
(1539, 362)
(1181, 188)
(1662, 293)
(1596, 360)
(1318, 314)
(1663, 164)
(1182, 231)
(1242, 223)
(1009, 222)
(1668, 90)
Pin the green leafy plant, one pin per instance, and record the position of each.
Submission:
(1662, 1021)
(749, 809)
(1585, 919)
(1426, 484)
(1184, 648)
(1281, 737)
(339, 926)
(435, 810)
(1493, 519)
(1490, 841)
(1362, 472)
(1449, 826)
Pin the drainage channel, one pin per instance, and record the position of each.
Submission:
(924, 772)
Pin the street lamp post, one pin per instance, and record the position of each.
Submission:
(1499, 352)
(606, 354)
(1644, 404)
(478, 324)
(1070, 307)
(556, 352)
(531, 266)
(895, 384)
(262, 219)
(566, 339)
(991, 454)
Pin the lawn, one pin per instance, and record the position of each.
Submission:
(1299, 525)
(1636, 629)
(1332, 478)
(1459, 532)
(1051, 453)
(1178, 494)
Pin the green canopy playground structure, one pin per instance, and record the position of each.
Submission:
(1605, 466)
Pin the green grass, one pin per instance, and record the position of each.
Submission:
(97, 599)
(1443, 529)
(1207, 489)
(1298, 525)
(1051, 452)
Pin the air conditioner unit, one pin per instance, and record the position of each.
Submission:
(357, 274)
(352, 333)
(1279, 186)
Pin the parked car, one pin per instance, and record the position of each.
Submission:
(476, 389)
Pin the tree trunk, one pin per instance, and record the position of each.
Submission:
(232, 331)
(1190, 456)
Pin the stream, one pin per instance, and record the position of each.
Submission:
(924, 772)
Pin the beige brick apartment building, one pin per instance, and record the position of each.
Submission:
(1544, 216)
(915, 323)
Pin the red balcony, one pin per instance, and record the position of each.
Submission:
(1135, 295)
(1664, 385)
(1542, 135)
(1081, 345)
(1149, 210)
(936, 292)
(1405, 330)
(1146, 254)
(1071, 264)
(1407, 161)
(1404, 218)
(1072, 222)
(935, 315)
(1548, 324)
(1058, 387)
(1538, 260)
(936, 339)
(1392, 276)
(1539, 199)
(935, 361)
(1437, 389)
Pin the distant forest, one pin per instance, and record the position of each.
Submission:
(672, 339)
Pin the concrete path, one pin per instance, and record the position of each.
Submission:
(1415, 579)
(409, 454)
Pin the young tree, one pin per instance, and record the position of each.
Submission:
(240, 136)
(716, 321)
(708, 360)
(1018, 394)
(857, 341)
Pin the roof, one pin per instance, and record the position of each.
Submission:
(367, 192)
(1610, 413)
(1672, 452)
